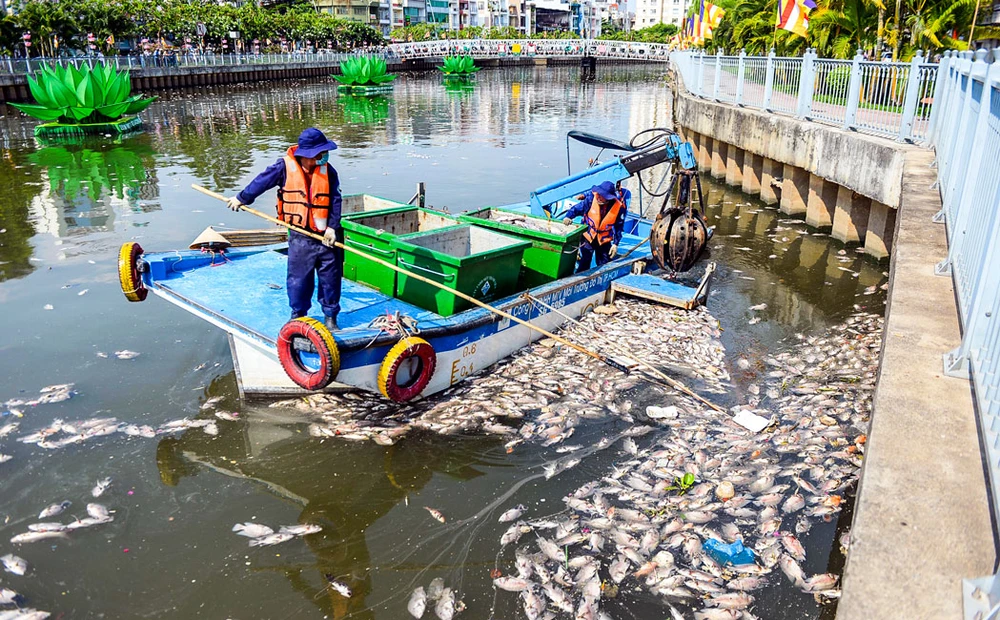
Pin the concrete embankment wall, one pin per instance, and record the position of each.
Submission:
(921, 518)
(802, 167)
(147, 79)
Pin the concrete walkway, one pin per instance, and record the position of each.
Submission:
(922, 520)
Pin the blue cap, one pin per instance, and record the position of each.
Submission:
(312, 142)
(606, 190)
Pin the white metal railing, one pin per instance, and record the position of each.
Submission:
(965, 133)
(21, 66)
(541, 48)
(883, 98)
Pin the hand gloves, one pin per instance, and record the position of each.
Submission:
(330, 237)
(234, 203)
(567, 221)
(613, 252)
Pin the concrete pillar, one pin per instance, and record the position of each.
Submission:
(794, 190)
(770, 192)
(881, 230)
(822, 202)
(734, 166)
(850, 220)
(719, 154)
(704, 153)
(753, 169)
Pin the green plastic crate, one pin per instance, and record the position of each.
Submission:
(479, 262)
(554, 245)
(372, 232)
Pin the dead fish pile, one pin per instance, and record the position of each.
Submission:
(643, 525)
(553, 385)
(60, 433)
(48, 395)
(444, 601)
(263, 536)
(97, 514)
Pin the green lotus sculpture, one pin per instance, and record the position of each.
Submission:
(364, 73)
(459, 65)
(86, 100)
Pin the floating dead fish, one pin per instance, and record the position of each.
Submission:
(511, 514)
(418, 603)
(304, 529)
(54, 510)
(100, 487)
(435, 513)
(30, 537)
(270, 539)
(252, 530)
(339, 587)
(125, 354)
(14, 564)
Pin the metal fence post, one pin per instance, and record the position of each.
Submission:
(807, 84)
(854, 92)
(768, 81)
(718, 74)
(27, 64)
(700, 78)
(740, 71)
(910, 97)
(941, 92)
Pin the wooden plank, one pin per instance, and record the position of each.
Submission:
(656, 290)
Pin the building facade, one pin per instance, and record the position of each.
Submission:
(651, 12)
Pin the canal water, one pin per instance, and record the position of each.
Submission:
(65, 210)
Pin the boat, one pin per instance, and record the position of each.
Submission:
(386, 343)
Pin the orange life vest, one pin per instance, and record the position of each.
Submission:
(601, 229)
(301, 204)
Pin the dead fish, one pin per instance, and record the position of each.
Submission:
(435, 589)
(125, 354)
(9, 597)
(271, 539)
(54, 509)
(7, 429)
(418, 603)
(100, 487)
(5, 457)
(534, 605)
(717, 613)
(512, 584)
(512, 534)
(819, 583)
(793, 503)
(513, 513)
(559, 598)
(252, 530)
(551, 550)
(30, 537)
(445, 608)
(14, 564)
(208, 404)
(227, 416)
(304, 529)
(630, 446)
(793, 547)
(792, 570)
(435, 513)
(47, 527)
(618, 569)
(339, 587)
(731, 600)
(97, 511)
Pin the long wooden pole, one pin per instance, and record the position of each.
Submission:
(410, 274)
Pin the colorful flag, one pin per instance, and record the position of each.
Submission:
(713, 15)
(793, 15)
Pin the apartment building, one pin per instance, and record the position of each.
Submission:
(651, 12)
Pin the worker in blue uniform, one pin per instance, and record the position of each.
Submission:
(603, 212)
(308, 197)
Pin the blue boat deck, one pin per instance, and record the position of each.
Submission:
(246, 289)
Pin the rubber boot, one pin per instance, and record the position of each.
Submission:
(331, 323)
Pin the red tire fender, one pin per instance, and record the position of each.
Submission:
(325, 347)
(420, 362)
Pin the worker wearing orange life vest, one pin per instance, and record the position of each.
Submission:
(308, 197)
(603, 211)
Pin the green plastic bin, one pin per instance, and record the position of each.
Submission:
(373, 231)
(479, 262)
(554, 245)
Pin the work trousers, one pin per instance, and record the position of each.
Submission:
(307, 256)
(589, 252)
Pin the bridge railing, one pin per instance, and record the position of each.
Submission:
(891, 99)
(965, 131)
(23, 66)
(530, 48)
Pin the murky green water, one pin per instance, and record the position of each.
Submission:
(64, 211)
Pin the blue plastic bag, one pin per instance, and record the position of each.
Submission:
(734, 553)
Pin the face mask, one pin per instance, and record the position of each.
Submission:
(325, 157)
